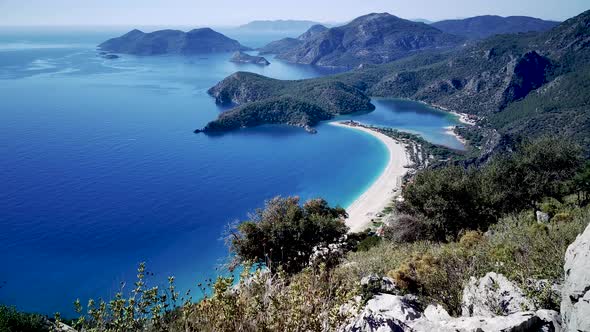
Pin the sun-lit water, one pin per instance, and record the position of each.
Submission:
(100, 168)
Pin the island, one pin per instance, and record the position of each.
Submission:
(261, 100)
(242, 57)
(197, 41)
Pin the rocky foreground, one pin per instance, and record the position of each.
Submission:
(491, 303)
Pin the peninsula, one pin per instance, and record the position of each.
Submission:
(262, 100)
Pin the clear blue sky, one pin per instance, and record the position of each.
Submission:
(234, 12)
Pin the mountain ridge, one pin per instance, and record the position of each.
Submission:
(373, 38)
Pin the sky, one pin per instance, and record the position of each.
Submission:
(236, 12)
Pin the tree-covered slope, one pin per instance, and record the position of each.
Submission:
(262, 100)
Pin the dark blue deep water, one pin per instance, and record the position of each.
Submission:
(100, 170)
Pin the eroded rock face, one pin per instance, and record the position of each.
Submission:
(575, 297)
(493, 295)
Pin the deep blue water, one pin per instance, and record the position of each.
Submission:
(100, 170)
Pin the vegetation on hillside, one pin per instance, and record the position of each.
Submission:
(262, 100)
(452, 199)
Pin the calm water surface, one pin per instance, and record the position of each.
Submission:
(100, 169)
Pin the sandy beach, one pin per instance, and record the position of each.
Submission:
(384, 189)
(451, 131)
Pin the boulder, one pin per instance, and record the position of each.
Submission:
(551, 320)
(575, 296)
(385, 312)
(377, 284)
(61, 327)
(493, 295)
(392, 313)
(542, 217)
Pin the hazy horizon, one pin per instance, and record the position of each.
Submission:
(182, 13)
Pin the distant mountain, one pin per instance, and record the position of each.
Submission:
(196, 41)
(370, 39)
(421, 20)
(480, 27)
(519, 85)
(278, 25)
(287, 44)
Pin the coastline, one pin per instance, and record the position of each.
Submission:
(451, 131)
(384, 190)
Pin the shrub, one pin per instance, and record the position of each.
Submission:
(12, 320)
(284, 233)
(368, 243)
(453, 199)
(550, 206)
(517, 247)
(406, 228)
(562, 217)
(308, 301)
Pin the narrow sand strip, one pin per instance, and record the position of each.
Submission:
(384, 189)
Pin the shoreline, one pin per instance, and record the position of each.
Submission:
(384, 189)
(450, 130)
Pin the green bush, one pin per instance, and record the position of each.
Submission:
(12, 320)
(517, 247)
(283, 234)
(368, 243)
(452, 199)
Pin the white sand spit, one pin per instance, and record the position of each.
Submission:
(384, 190)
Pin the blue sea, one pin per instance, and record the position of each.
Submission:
(100, 169)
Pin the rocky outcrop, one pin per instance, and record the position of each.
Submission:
(241, 57)
(575, 300)
(375, 284)
(197, 41)
(385, 313)
(372, 39)
(493, 295)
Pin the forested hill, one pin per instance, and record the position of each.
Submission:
(524, 84)
(262, 100)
